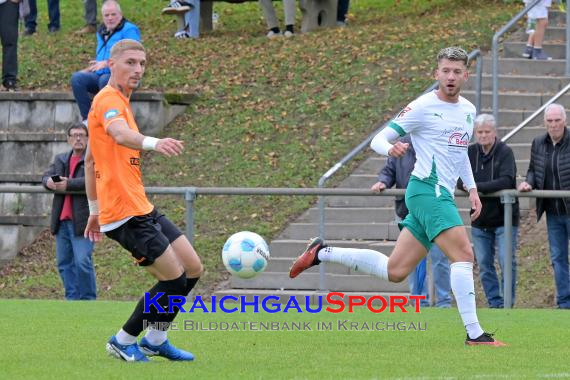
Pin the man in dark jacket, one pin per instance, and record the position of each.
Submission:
(397, 172)
(494, 169)
(549, 169)
(69, 218)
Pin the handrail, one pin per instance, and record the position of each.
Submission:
(190, 193)
(364, 144)
(495, 56)
(536, 113)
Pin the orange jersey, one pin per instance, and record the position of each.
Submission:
(118, 178)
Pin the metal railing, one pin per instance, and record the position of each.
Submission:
(495, 53)
(190, 193)
(364, 144)
(535, 114)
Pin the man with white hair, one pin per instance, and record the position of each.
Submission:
(494, 169)
(87, 82)
(549, 169)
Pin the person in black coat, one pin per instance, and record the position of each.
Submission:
(549, 169)
(494, 169)
(69, 218)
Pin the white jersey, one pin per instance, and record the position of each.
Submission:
(440, 133)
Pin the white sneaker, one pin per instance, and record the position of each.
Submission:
(177, 7)
(288, 34)
(272, 34)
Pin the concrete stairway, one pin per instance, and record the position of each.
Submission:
(33, 130)
(367, 222)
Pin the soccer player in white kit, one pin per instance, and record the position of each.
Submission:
(440, 124)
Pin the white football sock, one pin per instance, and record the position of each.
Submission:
(155, 337)
(464, 291)
(362, 260)
(125, 338)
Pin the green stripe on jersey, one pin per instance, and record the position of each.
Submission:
(397, 128)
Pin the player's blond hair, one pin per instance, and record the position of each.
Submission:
(453, 53)
(124, 45)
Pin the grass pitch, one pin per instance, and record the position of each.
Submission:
(66, 340)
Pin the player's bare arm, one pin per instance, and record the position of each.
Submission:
(125, 136)
(92, 230)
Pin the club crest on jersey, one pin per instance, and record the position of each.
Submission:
(404, 111)
(111, 114)
(469, 119)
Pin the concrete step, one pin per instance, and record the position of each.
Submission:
(365, 180)
(29, 157)
(364, 230)
(25, 220)
(301, 296)
(33, 136)
(314, 297)
(522, 83)
(310, 281)
(515, 49)
(515, 100)
(358, 215)
(527, 67)
(525, 135)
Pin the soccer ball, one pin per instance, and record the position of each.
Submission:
(245, 254)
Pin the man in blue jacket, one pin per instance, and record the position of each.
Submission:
(397, 172)
(87, 82)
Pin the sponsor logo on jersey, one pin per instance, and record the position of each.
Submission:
(458, 140)
(404, 111)
(111, 114)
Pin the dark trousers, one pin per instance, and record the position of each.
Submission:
(342, 10)
(53, 13)
(9, 35)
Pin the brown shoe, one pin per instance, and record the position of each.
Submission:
(308, 258)
(87, 29)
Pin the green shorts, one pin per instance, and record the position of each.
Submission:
(429, 214)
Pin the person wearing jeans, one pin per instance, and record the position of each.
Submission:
(53, 13)
(549, 169)
(494, 169)
(486, 242)
(87, 82)
(69, 218)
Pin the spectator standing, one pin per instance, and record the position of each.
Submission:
(9, 13)
(397, 172)
(69, 218)
(273, 22)
(549, 169)
(87, 82)
(494, 169)
(90, 15)
(53, 13)
(539, 13)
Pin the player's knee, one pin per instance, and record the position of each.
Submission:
(396, 274)
(195, 271)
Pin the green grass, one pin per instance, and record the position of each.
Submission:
(267, 114)
(58, 339)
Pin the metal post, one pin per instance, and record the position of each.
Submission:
(189, 197)
(507, 200)
(567, 43)
(322, 266)
(479, 73)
